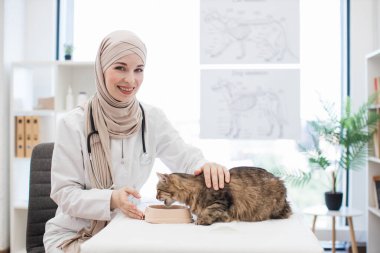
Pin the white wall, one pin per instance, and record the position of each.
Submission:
(27, 32)
(12, 49)
(3, 172)
(40, 30)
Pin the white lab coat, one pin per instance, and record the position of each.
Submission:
(70, 185)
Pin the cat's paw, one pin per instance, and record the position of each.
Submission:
(202, 222)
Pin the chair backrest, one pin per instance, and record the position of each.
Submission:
(41, 206)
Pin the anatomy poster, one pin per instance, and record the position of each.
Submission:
(249, 31)
(250, 104)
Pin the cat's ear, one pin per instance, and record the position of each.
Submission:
(163, 177)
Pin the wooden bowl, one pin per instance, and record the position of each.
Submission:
(167, 214)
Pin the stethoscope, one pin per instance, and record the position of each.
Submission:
(144, 159)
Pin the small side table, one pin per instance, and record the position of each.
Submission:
(343, 212)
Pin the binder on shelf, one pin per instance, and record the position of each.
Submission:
(376, 182)
(376, 147)
(20, 136)
(28, 136)
(376, 136)
(376, 87)
(35, 130)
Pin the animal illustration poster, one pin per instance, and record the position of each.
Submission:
(250, 104)
(249, 31)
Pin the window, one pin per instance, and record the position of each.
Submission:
(170, 29)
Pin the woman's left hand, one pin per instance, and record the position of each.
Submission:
(215, 175)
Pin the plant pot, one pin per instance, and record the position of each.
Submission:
(67, 57)
(333, 200)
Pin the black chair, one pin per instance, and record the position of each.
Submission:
(41, 206)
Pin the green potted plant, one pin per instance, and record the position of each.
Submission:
(68, 48)
(339, 144)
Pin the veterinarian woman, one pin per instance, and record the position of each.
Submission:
(105, 150)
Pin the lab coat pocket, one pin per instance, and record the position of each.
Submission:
(146, 164)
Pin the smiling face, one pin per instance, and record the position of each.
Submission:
(124, 77)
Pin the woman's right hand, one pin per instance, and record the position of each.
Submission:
(119, 199)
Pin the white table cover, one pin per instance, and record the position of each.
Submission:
(137, 236)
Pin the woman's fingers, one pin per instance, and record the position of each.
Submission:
(131, 210)
(132, 191)
(227, 176)
(135, 213)
(215, 175)
(121, 198)
(198, 171)
(221, 176)
(207, 174)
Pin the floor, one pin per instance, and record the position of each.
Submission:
(361, 250)
(343, 247)
(338, 251)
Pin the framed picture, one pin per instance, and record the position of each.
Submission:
(376, 180)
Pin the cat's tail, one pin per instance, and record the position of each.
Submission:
(283, 213)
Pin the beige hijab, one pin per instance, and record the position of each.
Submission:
(112, 118)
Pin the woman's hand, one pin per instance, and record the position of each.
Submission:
(215, 175)
(119, 199)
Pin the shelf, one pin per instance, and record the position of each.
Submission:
(21, 204)
(33, 64)
(375, 54)
(75, 63)
(374, 159)
(31, 81)
(373, 162)
(35, 113)
(21, 251)
(22, 159)
(374, 211)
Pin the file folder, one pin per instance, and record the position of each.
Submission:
(35, 131)
(20, 137)
(28, 136)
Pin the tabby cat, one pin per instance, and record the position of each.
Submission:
(253, 194)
